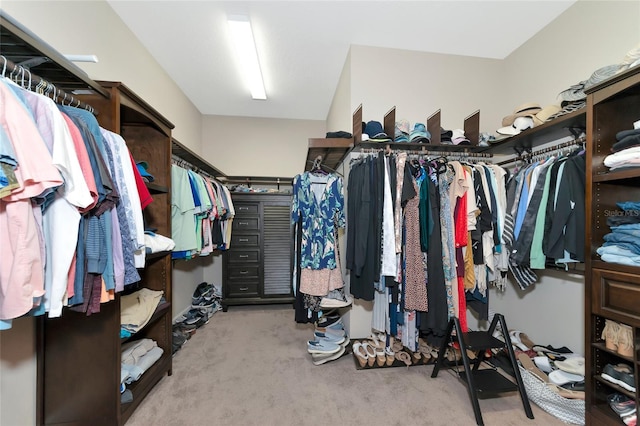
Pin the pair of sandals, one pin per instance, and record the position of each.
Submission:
(370, 353)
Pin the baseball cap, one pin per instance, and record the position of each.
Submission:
(458, 137)
(376, 132)
(142, 169)
(420, 134)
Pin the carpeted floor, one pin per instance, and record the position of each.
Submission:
(249, 366)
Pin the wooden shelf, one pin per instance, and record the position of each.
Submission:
(331, 150)
(161, 309)
(157, 189)
(601, 346)
(616, 267)
(147, 381)
(548, 132)
(615, 175)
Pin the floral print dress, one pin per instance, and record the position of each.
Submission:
(318, 202)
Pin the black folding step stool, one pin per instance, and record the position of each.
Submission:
(485, 382)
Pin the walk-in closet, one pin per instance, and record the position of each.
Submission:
(434, 201)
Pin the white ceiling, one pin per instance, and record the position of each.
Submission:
(303, 45)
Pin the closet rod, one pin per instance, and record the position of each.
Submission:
(317, 164)
(185, 164)
(23, 77)
(528, 154)
(458, 154)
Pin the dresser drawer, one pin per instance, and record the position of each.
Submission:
(245, 240)
(246, 224)
(243, 272)
(616, 293)
(242, 289)
(246, 209)
(243, 256)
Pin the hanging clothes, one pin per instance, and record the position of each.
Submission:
(70, 212)
(318, 206)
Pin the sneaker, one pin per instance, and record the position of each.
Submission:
(322, 347)
(202, 289)
(621, 375)
(330, 321)
(187, 329)
(319, 359)
(332, 338)
(203, 302)
(622, 404)
(329, 303)
(333, 332)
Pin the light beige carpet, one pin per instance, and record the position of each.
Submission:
(250, 366)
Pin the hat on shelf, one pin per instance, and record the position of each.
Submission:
(404, 126)
(521, 111)
(375, 132)
(401, 131)
(576, 92)
(519, 124)
(545, 114)
(143, 168)
(601, 74)
(420, 134)
(445, 136)
(340, 134)
(569, 108)
(458, 137)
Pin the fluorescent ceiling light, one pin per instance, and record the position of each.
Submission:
(247, 55)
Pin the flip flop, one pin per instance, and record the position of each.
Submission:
(528, 364)
(516, 340)
(566, 393)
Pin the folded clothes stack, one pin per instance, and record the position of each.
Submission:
(622, 245)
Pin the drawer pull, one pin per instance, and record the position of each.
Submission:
(243, 240)
(243, 256)
(244, 272)
(243, 288)
(243, 208)
(244, 223)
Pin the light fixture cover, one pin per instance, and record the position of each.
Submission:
(247, 54)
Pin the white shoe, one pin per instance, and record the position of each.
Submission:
(327, 303)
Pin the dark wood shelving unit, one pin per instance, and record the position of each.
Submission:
(78, 356)
(612, 290)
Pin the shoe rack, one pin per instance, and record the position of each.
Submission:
(612, 294)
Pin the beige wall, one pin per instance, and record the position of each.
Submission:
(587, 36)
(418, 84)
(340, 115)
(249, 146)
